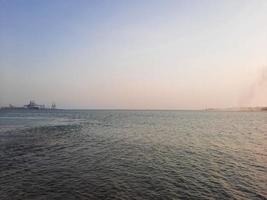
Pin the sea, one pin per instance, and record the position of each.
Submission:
(125, 155)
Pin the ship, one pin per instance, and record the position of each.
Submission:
(33, 105)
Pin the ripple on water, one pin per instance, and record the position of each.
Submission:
(134, 155)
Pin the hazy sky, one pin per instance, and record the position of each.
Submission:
(143, 54)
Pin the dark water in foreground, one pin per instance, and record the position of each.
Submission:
(133, 155)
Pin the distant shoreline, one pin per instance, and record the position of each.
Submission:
(241, 109)
(22, 108)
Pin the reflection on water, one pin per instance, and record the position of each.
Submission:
(133, 155)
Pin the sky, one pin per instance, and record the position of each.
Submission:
(138, 54)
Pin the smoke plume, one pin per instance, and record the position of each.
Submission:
(256, 95)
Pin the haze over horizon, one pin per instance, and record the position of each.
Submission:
(134, 54)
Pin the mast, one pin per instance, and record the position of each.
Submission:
(53, 106)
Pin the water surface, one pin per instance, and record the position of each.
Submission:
(91, 154)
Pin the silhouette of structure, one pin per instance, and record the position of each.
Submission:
(53, 106)
(33, 105)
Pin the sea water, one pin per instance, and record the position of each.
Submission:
(109, 154)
